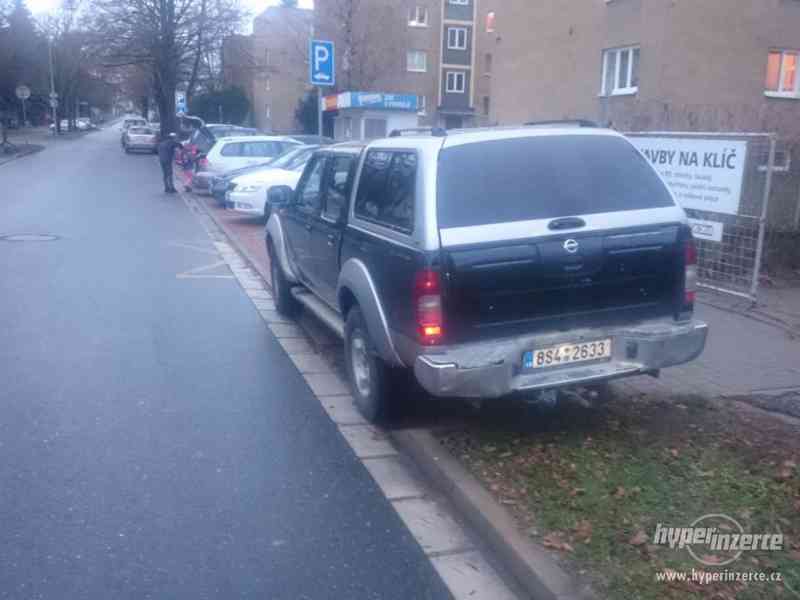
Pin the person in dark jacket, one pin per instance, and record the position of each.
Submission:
(166, 155)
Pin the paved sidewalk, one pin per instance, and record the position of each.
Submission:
(743, 355)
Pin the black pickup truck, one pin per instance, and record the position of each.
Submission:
(488, 261)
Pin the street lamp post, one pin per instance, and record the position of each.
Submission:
(53, 96)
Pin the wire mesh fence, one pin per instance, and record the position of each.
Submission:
(723, 181)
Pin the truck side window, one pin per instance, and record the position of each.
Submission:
(387, 189)
(309, 191)
(337, 188)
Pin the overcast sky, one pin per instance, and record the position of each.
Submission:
(254, 6)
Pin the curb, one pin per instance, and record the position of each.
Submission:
(532, 566)
(37, 148)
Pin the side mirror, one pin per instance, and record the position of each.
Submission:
(279, 196)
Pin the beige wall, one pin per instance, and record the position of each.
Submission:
(703, 64)
(280, 45)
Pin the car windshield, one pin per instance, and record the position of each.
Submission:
(291, 158)
(544, 177)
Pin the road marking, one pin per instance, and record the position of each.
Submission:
(193, 273)
(193, 247)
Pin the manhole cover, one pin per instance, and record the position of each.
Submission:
(28, 237)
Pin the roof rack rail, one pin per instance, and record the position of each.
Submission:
(563, 122)
(433, 131)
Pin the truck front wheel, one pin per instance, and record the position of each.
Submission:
(281, 291)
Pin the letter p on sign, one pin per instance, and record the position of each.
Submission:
(323, 71)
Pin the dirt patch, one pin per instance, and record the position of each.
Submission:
(593, 484)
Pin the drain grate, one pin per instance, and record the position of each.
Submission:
(28, 237)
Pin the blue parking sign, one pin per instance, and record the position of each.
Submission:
(322, 63)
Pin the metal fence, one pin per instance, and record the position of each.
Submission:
(730, 240)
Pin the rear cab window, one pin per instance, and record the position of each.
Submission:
(387, 189)
(233, 149)
(543, 177)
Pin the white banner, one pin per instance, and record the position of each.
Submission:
(706, 230)
(702, 174)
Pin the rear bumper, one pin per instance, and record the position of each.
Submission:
(148, 147)
(201, 181)
(491, 369)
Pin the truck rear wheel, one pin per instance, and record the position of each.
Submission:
(369, 375)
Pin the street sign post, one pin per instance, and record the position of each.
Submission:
(23, 93)
(322, 71)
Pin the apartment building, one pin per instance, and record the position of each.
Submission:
(714, 65)
(271, 66)
(420, 47)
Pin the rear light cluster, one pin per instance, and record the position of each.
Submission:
(428, 306)
(690, 273)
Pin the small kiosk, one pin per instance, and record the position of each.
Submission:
(370, 115)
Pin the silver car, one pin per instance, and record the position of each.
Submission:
(140, 139)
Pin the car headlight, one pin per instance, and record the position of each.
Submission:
(250, 188)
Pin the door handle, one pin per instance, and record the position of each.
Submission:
(331, 239)
(309, 227)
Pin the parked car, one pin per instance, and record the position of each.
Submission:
(247, 193)
(140, 139)
(231, 153)
(488, 262)
(311, 140)
(204, 138)
(84, 124)
(220, 184)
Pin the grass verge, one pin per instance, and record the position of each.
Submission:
(594, 484)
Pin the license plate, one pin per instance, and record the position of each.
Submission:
(567, 354)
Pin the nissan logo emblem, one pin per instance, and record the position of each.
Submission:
(571, 246)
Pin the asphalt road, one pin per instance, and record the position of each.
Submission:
(155, 442)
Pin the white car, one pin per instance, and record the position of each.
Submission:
(248, 193)
(231, 153)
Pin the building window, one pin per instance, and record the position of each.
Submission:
(268, 111)
(486, 105)
(490, 22)
(620, 71)
(782, 77)
(456, 82)
(267, 84)
(266, 57)
(422, 105)
(418, 17)
(487, 66)
(416, 61)
(456, 38)
(459, 2)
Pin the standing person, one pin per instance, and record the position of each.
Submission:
(166, 154)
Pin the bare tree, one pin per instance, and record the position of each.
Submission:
(366, 36)
(170, 39)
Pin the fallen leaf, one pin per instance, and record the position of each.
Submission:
(554, 541)
(784, 474)
(577, 491)
(620, 492)
(639, 539)
(674, 452)
(583, 530)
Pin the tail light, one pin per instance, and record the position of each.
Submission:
(428, 306)
(690, 273)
